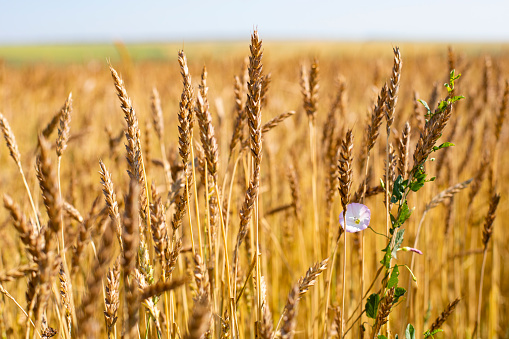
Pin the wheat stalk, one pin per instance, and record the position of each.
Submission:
(16, 156)
(345, 161)
(134, 156)
(131, 243)
(254, 122)
(89, 324)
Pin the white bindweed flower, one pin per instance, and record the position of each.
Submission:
(357, 217)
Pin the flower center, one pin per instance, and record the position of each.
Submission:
(356, 220)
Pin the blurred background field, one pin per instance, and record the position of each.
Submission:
(213, 50)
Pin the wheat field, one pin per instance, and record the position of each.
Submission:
(201, 197)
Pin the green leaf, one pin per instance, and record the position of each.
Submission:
(410, 332)
(398, 293)
(442, 106)
(386, 261)
(381, 336)
(444, 145)
(419, 180)
(372, 305)
(456, 98)
(453, 77)
(393, 220)
(393, 280)
(398, 190)
(415, 186)
(403, 215)
(428, 334)
(425, 104)
(397, 243)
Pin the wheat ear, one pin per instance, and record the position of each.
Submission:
(443, 316)
(255, 136)
(112, 297)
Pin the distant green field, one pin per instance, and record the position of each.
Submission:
(72, 53)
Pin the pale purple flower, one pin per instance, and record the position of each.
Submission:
(411, 249)
(357, 217)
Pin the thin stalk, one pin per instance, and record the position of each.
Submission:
(30, 198)
(317, 251)
(249, 272)
(172, 313)
(412, 262)
(228, 213)
(387, 215)
(356, 320)
(8, 295)
(231, 300)
(184, 300)
(224, 229)
(166, 304)
(210, 247)
(258, 265)
(61, 215)
(366, 294)
(207, 194)
(312, 147)
(200, 243)
(328, 287)
(193, 249)
(362, 233)
(329, 232)
(343, 311)
(479, 302)
(64, 259)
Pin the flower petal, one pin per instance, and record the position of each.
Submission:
(358, 217)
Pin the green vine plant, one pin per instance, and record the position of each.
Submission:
(379, 305)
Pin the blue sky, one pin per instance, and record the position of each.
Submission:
(46, 21)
